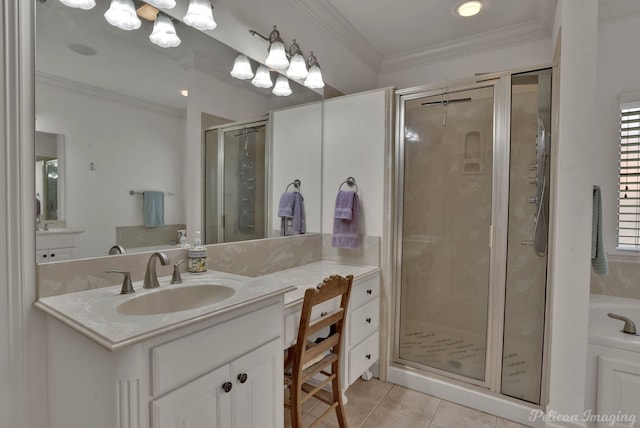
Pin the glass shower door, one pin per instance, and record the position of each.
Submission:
(446, 210)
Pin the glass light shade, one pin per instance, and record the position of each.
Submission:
(162, 4)
(282, 88)
(277, 57)
(297, 68)
(469, 8)
(122, 14)
(80, 4)
(200, 15)
(262, 78)
(242, 68)
(314, 79)
(164, 33)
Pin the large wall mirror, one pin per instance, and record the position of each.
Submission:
(115, 119)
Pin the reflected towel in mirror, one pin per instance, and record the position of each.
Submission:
(291, 213)
(346, 221)
(153, 208)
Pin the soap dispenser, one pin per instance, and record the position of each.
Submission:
(197, 255)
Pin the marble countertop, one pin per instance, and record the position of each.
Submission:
(57, 231)
(94, 313)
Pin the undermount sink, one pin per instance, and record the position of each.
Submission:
(175, 299)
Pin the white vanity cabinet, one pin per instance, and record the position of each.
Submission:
(362, 337)
(55, 247)
(223, 372)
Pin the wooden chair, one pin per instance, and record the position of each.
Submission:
(307, 359)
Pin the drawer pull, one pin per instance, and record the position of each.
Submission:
(368, 356)
(323, 314)
(368, 320)
(53, 255)
(242, 377)
(226, 387)
(369, 291)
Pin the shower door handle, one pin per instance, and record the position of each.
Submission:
(528, 243)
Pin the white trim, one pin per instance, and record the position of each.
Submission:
(106, 94)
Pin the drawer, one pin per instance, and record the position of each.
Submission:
(364, 321)
(364, 291)
(292, 321)
(179, 361)
(363, 356)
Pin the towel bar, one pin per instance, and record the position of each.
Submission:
(133, 192)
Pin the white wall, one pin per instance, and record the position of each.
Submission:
(132, 148)
(297, 154)
(513, 57)
(354, 146)
(571, 195)
(618, 73)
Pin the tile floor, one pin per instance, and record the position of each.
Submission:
(377, 404)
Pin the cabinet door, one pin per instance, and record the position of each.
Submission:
(202, 403)
(258, 387)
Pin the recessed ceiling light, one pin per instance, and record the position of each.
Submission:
(81, 49)
(184, 93)
(469, 8)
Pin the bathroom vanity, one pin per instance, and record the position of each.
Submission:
(56, 245)
(218, 365)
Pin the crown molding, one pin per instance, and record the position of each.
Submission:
(530, 31)
(106, 94)
(329, 18)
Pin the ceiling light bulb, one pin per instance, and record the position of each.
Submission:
(164, 33)
(469, 8)
(200, 15)
(242, 68)
(282, 88)
(80, 4)
(262, 78)
(162, 4)
(122, 14)
(297, 68)
(277, 57)
(184, 92)
(314, 79)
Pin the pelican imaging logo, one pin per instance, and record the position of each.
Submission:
(624, 419)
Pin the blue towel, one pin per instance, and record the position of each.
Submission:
(346, 221)
(598, 255)
(291, 213)
(153, 208)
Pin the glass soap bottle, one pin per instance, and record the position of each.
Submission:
(197, 256)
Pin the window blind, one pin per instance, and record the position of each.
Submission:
(629, 181)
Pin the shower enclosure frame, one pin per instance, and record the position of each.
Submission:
(501, 83)
(220, 179)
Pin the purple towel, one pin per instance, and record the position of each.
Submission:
(291, 213)
(346, 222)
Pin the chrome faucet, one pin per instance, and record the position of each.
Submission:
(629, 326)
(151, 276)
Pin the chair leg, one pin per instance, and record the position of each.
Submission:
(337, 395)
(294, 406)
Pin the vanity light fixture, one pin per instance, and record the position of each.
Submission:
(277, 57)
(297, 66)
(282, 88)
(164, 33)
(162, 4)
(80, 4)
(242, 68)
(314, 79)
(469, 8)
(200, 15)
(122, 14)
(262, 78)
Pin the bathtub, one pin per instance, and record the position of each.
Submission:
(613, 359)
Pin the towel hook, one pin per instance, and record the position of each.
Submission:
(295, 183)
(350, 181)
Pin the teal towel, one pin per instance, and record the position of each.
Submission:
(153, 208)
(598, 255)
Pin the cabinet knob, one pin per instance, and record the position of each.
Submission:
(369, 291)
(368, 320)
(226, 387)
(368, 356)
(44, 255)
(323, 314)
(242, 377)
(53, 254)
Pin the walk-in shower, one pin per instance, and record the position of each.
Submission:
(472, 186)
(235, 182)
